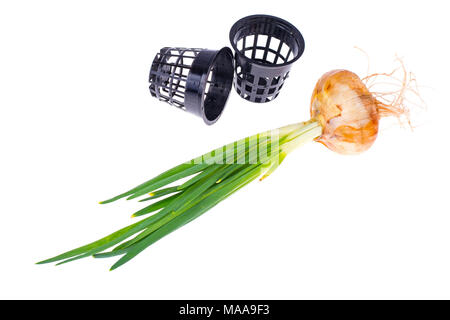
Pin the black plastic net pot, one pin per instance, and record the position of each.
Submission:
(195, 80)
(265, 49)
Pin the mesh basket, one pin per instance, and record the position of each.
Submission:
(195, 80)
(265, 49)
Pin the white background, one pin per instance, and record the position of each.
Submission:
(78, 125)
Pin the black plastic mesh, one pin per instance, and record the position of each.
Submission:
(195, 80)
(169, 73)
(265, 48)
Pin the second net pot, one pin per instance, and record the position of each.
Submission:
(265, 49)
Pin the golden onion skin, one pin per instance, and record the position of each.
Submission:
(347, 112)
